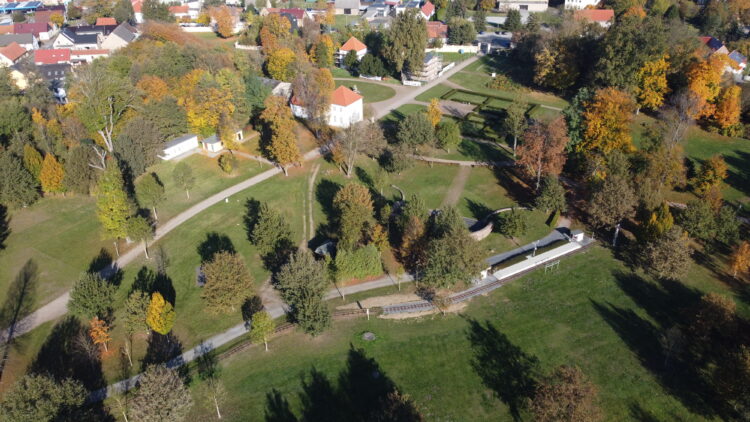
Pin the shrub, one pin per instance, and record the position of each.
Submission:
(512, 224)
(361, 262)
(227, 163)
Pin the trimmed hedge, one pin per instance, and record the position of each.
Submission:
(360, 263)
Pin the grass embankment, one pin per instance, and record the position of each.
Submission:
(371, 92)
(585, 313)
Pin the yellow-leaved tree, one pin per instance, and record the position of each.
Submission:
(204, 100)
(282, 145)
(739, 261)
(51, 175)
(727, 111)
(279, 64)
(433, 112)
(224, 21)
(99, 332)
(704, 80)
(160, 314)
(153, 87)
(607, 120)
(652, 83)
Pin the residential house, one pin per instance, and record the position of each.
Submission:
(431, 67)
(346, 108)
(437, 30)
(737, 61)
(181, 12)
(278, 88)
(41, 30)
(212, 144)
(179, 146)
(73, 40)
(137, 10)
(102, 30)
(123, 35)
(352, 44)
(581, 4)
(27, 41)
(21, 7)
(714, 45)
(46, 16)
(522, 5)
(347, 7)
(10, 54)
(87, 56)
(54, 73)
(427, 10)
(105, 21)
(51, 56)
(604, 17)
(378, 9)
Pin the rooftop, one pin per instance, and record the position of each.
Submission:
(344, 96)
(353, 44)
(596, 15)
(12, 51)
(106, 21)
(52, 56)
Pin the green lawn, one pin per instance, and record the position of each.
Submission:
(455, 57)
(469, 150)
(372, 92)
(585, 313)
(436, 91)
(398, 114)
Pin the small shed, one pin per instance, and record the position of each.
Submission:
(577, 235)
(179, 146)
(213, 144)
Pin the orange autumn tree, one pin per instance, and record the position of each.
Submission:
(704, 80)
(727, 111)
(607, 119)
(205, 100)
(153, 87)
(652, 83)
(99, 332)
(543, 149)
(739, 261)
(224, 21)
(282, 145)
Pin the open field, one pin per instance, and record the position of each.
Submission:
(585, 313)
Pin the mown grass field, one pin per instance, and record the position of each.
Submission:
(586, 313)
(372, 92)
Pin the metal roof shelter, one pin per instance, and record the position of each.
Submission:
(26, 6)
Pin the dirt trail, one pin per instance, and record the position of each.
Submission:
(457, 187)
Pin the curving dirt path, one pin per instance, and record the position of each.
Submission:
(457, 186)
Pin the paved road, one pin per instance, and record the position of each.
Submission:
(58, 307)
(382, 108)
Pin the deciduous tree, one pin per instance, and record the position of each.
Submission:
(32, 160)
(150, 192)
(35, 398)
(91, 296)
(515, 122)
(406, 40)
(612, 201)
(228, 282)
(739, 261)
(113, 207)
(183, 177)
(281, 145)
(669, 255)
(140, 230)
(651, 85)
(433, 112)
(161, 396)
(607, 120)
(543, 149)
(363, 138)
(224, 21)
(279, 64)
(566, 396)
(415, 130)
(513, 21)
(52, 175)
(160, 314)
(134, 312)
(262, 326)
(324, 51)
(727, 113)
(660, 222)
(453, 256)
(99, 332)
(447, 134)
(704, 80)
(712, 172)
(460, 31)
(303, 284)
(355, 215)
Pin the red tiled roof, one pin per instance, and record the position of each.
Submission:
(344, 96)
(437, 30)
(12, 51)
(30, 28)
(179, 9)
(596, 15)
(92, 52)
(52, 56)
(6, 29)
(296, 12)
(45, 15)
(105, 21)
(137, 4)
(428, 8)
(353, 44)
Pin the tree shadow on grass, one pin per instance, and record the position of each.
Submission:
(667, 303)
(149, 281)
(325, 191)
(4, 225)
(213, 244)
(739, 180)
(511, 180)
(364, 393)
(478, 210)
(252, 211)
(161, 349)
(504, 368)
(18, 304)
(104, 265)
